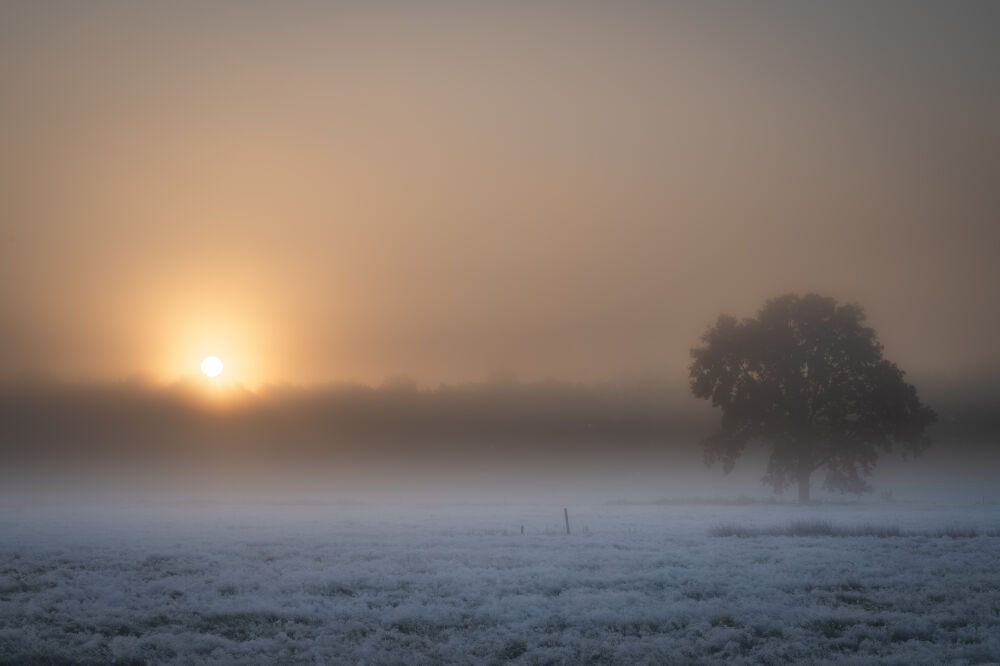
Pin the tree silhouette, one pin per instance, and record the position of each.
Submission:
(807, 378)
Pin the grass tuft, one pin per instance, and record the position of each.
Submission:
(815, 528)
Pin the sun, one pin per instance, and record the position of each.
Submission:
(211, 366)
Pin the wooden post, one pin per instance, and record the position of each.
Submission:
(522, 529)
(566, 516)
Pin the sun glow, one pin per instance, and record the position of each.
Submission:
(211, 366)
(193, 340)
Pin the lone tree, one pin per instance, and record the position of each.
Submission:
(807, 378)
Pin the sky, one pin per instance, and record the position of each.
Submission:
(329, 192)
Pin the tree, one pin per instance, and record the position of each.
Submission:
(807, 378)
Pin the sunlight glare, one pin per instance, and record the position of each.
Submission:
(211, 366)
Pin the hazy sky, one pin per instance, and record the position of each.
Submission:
(319, 192)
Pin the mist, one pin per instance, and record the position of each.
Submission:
(504, 333)
(345, 193)
(636, 440)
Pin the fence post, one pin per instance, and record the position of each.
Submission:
(566, 516)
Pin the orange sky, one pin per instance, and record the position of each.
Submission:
(346, 193)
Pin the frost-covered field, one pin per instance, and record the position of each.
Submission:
(408, 584)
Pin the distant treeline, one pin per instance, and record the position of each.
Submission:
(397, 417)
(136, 418)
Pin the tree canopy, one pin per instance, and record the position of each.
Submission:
(807, 377)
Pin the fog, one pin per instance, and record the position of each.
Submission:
(634, 440)
(462, 270)
(365, 210)
(346, 192)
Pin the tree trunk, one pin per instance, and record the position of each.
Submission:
(804, 487)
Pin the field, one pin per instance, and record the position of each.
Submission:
(355, 583)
